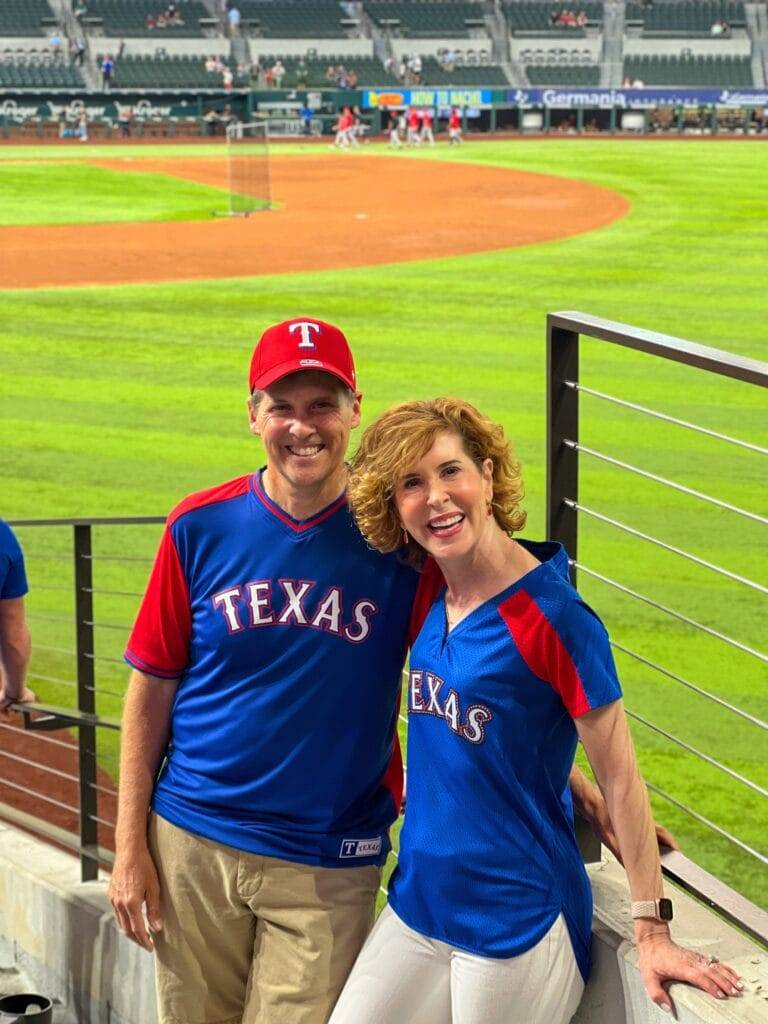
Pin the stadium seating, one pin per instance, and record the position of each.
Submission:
(370, 71)
(690, 70)
(293, 19)
(579, 75)
(433, 74)
(533, 17)
(23, 17)
(693, 18)
(39, 74)
(172, 72)
(129, 17)
(424, 18)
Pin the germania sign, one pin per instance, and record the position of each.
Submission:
(637, 99)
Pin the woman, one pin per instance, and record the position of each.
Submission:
(490, 907)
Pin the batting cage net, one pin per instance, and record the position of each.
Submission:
(248, 168)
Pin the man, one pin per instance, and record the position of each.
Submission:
(267, 658)
(15, 644)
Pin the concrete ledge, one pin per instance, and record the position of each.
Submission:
(62, 934)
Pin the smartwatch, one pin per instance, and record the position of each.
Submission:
(660, 909)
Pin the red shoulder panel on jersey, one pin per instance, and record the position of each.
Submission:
(430, 582)
(222, 492)
(159, 640)
(543, 651)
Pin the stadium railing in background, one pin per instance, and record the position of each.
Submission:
(564, 512)
(123, 565)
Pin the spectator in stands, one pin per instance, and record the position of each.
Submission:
(56, 44)
(150, 22)
(15, 643)
(330, 73)
(227, 79)
(269, 78)
(720, 28)
(352, 79)
(210, 120)
(107, 70)
(389, 66)
(278, 72)
(82, 126)
(447, 59)
(78, 50)
(302, 74)
(124, 121)
(233, 17)
(211, 64)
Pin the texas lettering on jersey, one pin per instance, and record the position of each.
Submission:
(286, 602)
(424, 699)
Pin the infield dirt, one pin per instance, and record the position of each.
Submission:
(333, 212)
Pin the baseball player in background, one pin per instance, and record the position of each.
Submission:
(454, 126)
(413, 138)
(425, 134)
(260, 767)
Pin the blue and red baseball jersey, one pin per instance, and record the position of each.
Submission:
(288, 639)
(488, 857)
(13, 578)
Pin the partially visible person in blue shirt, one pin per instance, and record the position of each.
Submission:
(15, 644)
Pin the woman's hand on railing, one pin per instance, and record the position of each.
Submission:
(662, 961)
(27, 697)
(133, 886)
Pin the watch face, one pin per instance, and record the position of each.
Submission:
(665, 909)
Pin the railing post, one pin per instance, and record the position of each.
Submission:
(86, 699)
(563, 480)
(562, 424)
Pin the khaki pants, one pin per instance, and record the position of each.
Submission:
(249, 939)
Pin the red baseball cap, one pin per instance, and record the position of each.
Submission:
(301, 344)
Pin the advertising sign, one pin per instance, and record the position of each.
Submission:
(637, 99)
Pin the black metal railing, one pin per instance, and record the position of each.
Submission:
(564, 511)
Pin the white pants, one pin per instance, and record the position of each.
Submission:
(401, 977)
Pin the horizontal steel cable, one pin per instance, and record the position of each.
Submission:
(106, 625)
(707, 823)
(666, 418)
(56, 650)
(41, 556)
(35, 587)
(698, 753)
(51, 679)
(116, 558)
(42, 767)
(101, 821)
(40, 796)
(734, 577)
(103, 657)
(691, 686)
(43, 737)
(754, 516)
(112, 593)
(675, 614)
(107, 790)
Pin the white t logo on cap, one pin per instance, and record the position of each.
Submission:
(305, 326)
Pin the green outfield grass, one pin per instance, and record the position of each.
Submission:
(78, 193)
(120, 400)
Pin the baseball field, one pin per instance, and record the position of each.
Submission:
(128, 314)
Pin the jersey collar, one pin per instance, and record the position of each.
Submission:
(297, 525)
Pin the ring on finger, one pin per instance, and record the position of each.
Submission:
(712, 960)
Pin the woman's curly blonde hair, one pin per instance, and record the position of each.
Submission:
(399, 439)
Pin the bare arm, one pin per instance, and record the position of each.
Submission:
(590, 803)
(611, 753)
(15, 648)
(146, 730)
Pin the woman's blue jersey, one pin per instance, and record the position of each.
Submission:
(488, 857)
(288, 640)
